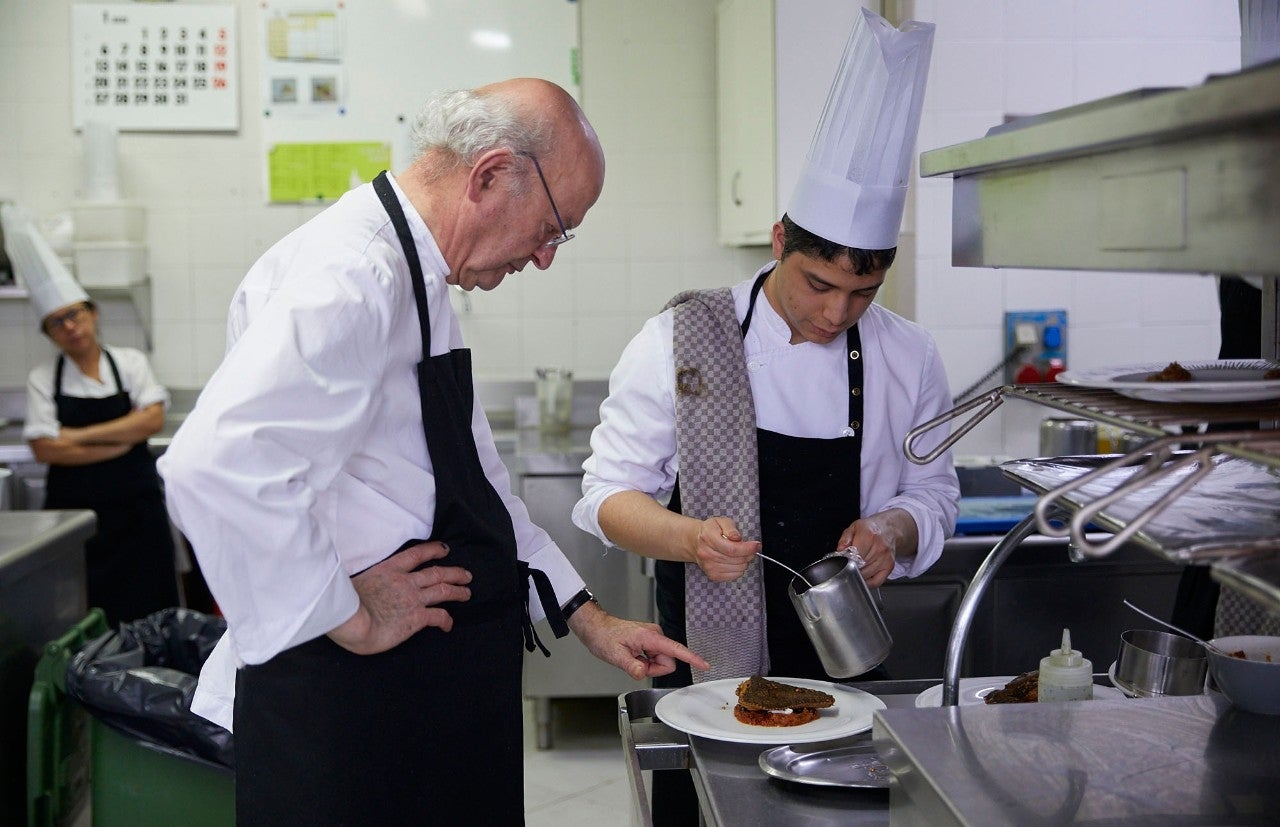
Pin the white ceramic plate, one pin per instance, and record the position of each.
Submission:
(1228, 380)
(706, 709)
(1120, 687)
(974, 691)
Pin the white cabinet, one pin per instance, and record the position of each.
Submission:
(775, 60)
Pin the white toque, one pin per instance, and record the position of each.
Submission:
(50, 285)
(853, 187)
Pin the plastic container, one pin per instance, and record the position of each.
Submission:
(109, 221)
(110, 263)
(1065, 675)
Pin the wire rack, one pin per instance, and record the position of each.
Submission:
(1187, 442)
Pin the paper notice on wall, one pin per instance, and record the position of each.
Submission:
(302, 59)
(310, 172)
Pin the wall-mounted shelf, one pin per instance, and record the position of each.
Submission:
(1184, 180)
(137, 294)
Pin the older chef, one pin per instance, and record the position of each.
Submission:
(90, 411)
(773, 413)
(342, 491)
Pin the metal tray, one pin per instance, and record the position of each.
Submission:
(852, 765)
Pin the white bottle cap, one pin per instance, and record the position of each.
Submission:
(1066, 666)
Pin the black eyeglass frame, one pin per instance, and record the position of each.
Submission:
(66, 318)
(565, 235)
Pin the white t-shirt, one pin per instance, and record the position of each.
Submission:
(135, 372)
(800, 390)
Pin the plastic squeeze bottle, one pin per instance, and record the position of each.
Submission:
(1065, 675)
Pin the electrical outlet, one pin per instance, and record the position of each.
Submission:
(1042, 336)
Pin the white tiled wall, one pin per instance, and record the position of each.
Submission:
(648, 69)
(995, 58)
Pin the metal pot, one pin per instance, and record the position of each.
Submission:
(1068, 437)
(840, 617)
(1154, 664)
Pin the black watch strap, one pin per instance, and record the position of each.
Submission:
(577, 602)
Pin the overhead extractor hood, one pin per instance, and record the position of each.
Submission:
(1153, 180)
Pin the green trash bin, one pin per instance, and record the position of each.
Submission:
(130, 780)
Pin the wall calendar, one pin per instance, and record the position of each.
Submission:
(155, 67)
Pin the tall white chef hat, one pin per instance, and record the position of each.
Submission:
(853, 187)
(50, 285)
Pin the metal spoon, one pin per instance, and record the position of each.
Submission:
(1206, 644)
(785, 566)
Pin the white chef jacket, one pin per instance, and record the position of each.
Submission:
(135, 372)
(304, 461)
(800, 390)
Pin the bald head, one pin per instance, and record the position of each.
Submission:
(502, 171)
(524, 115)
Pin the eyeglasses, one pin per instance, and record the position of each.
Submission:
(66, 319)
(564, 235)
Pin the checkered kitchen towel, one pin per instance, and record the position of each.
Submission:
(716, 441)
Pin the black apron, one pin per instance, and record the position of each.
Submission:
(430, 732)
(809, 494)
(130, 561)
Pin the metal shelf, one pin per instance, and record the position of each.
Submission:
(1181, 180)
(1130, 494)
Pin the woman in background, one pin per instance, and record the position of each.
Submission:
(90, 411)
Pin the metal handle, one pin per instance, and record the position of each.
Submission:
(969, 606)
(989, 402)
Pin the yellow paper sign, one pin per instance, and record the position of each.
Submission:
(322, 171)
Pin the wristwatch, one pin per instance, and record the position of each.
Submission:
(577, 602)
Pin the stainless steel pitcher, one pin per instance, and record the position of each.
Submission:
(840, 617)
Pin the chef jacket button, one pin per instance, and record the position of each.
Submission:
(855, 424)
(856, 391)
(853, 354)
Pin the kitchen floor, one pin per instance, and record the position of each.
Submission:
(582, 779)
(580, 782)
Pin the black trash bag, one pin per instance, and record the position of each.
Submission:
(139, 679)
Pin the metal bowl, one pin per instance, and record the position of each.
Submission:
(1153, 664)
(1252, 682)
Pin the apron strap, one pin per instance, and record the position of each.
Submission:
(550, 606)
(392, 205)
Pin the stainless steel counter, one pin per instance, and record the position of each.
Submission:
(1158, 761)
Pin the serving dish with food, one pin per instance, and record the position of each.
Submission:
(708, 710)
(1246, 669)
(1221, 380)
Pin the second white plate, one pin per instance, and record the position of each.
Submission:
(974, 691)
(706, 709)
(1225, 380)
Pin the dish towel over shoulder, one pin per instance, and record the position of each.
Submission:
(719, 476)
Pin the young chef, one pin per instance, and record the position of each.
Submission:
(90, 411)
(370, 686)
(773, 413)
